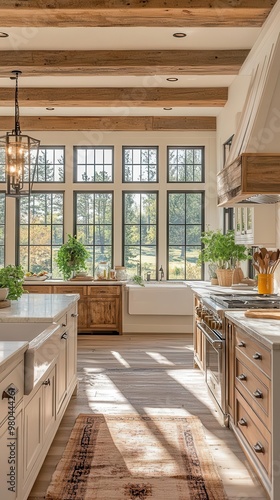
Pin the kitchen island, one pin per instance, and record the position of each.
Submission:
(38, 375)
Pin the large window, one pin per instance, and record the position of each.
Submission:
(2, 229)
(185, 164)
(140, 232)
(140, 164)
(40, 231)
(185, 225)
(93, 164)
(94, 226)
(50, 165)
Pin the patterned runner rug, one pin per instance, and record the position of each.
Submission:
(136, 458)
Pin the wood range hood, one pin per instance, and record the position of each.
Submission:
(252, 170)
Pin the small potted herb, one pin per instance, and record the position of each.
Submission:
(71, 257)
(12, 278)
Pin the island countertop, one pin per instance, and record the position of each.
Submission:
(9, 350)
(37, 308)
(266, 331)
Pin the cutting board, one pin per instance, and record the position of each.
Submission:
(263, 313)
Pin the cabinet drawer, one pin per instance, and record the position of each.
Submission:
(70, 289)
(254, 390)
(14, 378)
(96, 290)
(38, 288)
(253, 350)
(254, 432)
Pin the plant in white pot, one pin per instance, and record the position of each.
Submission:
(71, 257)
(220, 249)
(11, 282)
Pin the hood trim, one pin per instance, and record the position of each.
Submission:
(250, 175)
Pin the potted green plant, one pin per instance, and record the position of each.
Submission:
(220, 250)
(71, 257)
(12, 278)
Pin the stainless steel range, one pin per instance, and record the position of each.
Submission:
(210, 314)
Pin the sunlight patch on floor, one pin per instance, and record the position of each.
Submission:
(119, 358)
(159, 358)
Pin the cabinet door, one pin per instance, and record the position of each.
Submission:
(103, 313)
(32, 434)
(38, 288)
(71, 345)
(61, 369)
(11, 458)
(82, 302)
(230, 363)
(48, 393)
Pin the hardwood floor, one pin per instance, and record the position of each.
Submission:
(149, 374)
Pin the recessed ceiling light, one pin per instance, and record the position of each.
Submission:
(3, 35)
(49, 109)
(172, 79)
(179, 34)
(167, 109)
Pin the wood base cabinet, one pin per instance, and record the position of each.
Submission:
(251, 401)
(99, 306)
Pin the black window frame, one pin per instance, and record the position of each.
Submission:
(75, 164)
(18, 225)
(124, 181)
(145, 192)
(202, 148)
(203, 197)
(64, 163)
(75, 225)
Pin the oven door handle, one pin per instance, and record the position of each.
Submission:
(211, 337)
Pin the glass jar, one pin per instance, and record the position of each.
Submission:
(121, 273)
(266, 283)
(101, 271)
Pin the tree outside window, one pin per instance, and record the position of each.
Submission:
(185, 227)
(94, 226)
(140, 232)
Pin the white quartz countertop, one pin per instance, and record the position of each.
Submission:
(266, 331)
(72, 282)
(10, 349)
(37, 307)
(204, 289)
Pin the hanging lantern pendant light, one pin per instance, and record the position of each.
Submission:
(21, 153)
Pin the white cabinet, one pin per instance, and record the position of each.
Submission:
(66, 365)
(255, 225)
(11, 409)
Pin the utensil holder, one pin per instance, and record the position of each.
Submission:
(266, 283)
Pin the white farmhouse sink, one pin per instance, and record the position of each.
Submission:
(42, 350)
(160, 298)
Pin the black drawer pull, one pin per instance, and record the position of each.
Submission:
(258, 394)
(47, 382)
(257, 355)
(74, 315)
(63, 324)
(258, 447)
(243, 422)
(241, 344)
(64, 336)
(242, 376)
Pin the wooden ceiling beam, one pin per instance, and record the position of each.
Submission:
(160, 13)
(121, 62)
(117, 97)
(111, 123)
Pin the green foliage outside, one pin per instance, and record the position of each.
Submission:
(12, 277)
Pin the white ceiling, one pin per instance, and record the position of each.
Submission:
(123, 39)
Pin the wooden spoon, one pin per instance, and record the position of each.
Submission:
(263, 251)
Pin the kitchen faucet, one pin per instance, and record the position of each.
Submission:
(161, 273)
